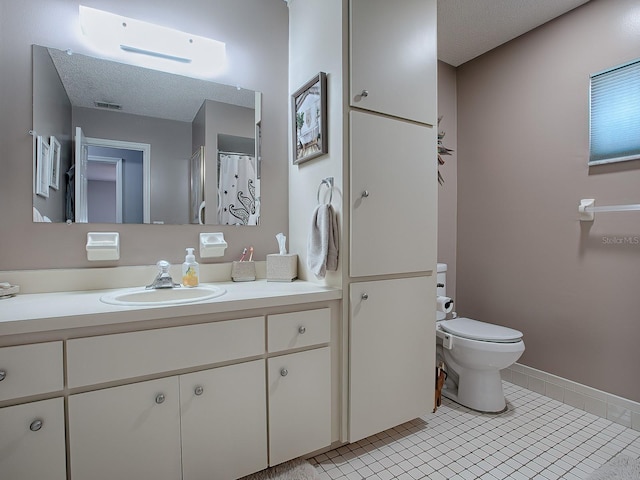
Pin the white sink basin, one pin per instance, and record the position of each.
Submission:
(162, 296)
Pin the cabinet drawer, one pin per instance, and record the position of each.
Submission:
(126, 355)
(31, 450)
(298, 329)
(30, 369)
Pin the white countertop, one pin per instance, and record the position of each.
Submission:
(42, 312)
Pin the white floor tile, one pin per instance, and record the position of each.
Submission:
(536, 438)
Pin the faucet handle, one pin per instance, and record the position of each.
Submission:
(163, 266)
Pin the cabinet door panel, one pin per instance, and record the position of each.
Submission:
(299, 404)
(26, 454)
(126, 432)
(393, 58)
(392, 353)
(224, 422)
(393, 228)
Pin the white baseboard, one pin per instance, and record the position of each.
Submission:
(617, 409)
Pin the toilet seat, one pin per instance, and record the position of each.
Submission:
(476, 330)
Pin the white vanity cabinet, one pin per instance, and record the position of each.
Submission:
(393, 196)
(32, 441)
(392, 352)
(393, 58)
(183, 393)
(299, 384)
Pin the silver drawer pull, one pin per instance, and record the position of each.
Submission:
(199, 390)
(284, 372)
(301, 329)
(364, 93)
(160, 398)
(365, 193)
(3, 375)
(365, 296)
(36, 425)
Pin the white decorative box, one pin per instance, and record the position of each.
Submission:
(243, 271)
(282, 268)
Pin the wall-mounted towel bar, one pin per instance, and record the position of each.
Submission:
(587, 209)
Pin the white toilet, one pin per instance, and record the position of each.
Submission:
(474, 353)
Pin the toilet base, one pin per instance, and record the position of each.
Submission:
(478, 390)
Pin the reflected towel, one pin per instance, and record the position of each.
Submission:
(322, 245)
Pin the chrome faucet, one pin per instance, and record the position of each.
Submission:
(163, 280)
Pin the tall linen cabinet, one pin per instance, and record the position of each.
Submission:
(392, 212)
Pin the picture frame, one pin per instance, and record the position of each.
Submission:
(309, 119)
(196, 187)
(43, 172)
(54, 180)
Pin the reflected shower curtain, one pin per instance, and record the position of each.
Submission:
(237, 190)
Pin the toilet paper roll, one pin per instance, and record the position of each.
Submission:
(444, 304)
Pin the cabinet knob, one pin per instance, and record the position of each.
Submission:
(36, 425)
(3, 375)
(160, 398)
(365, 296)
(364, 93)
(198, 390)
(365, 193)
(301, 329)
(284, 372)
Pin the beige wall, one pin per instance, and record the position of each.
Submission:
(524, 260)
(313, 50)
(448, 192)
(257, 42)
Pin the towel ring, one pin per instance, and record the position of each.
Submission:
(329, 183)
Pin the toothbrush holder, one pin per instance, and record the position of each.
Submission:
(243, 271)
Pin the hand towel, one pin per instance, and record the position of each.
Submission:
(322, 245)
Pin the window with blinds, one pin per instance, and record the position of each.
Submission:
(614, 134)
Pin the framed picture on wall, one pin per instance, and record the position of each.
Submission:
(309, 119)
(43, 169)
(54, 145)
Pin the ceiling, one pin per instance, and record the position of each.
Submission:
(469, 28)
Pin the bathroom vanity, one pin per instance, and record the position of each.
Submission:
(215, 389)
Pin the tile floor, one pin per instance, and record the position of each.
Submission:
(536, 438)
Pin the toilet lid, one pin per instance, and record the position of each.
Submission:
(475, 330)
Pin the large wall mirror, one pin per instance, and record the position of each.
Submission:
(116, 143)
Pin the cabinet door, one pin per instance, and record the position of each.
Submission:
(393, 196)
(132, 431)
(299, 404)
(394, 58)
(224, 422)
(392, 353)
(32, 441)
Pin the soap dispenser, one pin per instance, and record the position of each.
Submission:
(190, 270)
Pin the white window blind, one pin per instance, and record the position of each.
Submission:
(615, 115)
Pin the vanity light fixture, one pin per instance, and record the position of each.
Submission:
(150, 45)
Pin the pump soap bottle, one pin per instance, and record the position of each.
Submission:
(190, 270)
